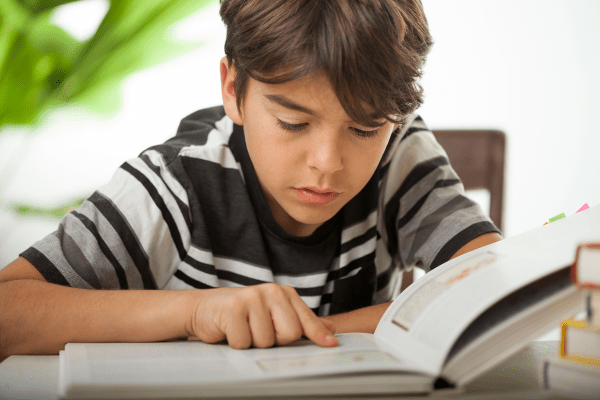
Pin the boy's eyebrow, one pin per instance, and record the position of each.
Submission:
(287, 103)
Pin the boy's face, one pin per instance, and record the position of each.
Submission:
(309, 156)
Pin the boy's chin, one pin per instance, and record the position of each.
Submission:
(313, 218)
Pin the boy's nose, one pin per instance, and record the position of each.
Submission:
(325, 153)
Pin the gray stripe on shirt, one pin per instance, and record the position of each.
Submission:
(427, 183)
(50, 246)
(77, 259)
(84, 254)
(439, 224)
(117, 247)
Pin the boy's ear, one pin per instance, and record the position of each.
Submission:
(228, 92)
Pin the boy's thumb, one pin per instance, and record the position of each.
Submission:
(329, 325)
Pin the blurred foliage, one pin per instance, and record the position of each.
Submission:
(43, 67)
(56, 212)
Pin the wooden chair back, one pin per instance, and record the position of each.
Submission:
(477, 156)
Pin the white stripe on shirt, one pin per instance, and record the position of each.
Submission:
(129, 195)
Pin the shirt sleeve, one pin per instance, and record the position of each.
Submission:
(132, 233)
(428, 217)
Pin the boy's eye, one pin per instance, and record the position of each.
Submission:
(291, 127)
(364, 134)
(298, 127)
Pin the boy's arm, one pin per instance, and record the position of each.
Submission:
(40, 318)
(366, 319)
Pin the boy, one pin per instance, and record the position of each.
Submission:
(292, 209)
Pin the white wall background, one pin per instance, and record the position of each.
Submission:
(531, 69)
(527, 67)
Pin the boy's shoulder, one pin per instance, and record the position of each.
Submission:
(201, 122)
(202, 129)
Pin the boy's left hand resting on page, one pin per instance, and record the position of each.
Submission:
(260, 316)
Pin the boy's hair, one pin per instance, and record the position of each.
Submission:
(372, 51)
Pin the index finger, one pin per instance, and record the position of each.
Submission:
(312, 326)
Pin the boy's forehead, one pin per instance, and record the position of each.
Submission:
(297, 94)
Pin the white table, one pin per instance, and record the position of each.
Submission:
(36, 377)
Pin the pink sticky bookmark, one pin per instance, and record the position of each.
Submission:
(583, 207)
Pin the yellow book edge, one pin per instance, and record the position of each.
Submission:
(563, 331)
(584, 360)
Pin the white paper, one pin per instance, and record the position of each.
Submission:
(588, 266)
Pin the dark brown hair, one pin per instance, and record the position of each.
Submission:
(372, 51)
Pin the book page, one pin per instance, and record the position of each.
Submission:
(588, 266)
(509, 307)
(357, 352)
(425, 321)
(149, 363)
(417, 302)
(183, 362)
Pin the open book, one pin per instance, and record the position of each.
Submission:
(450, 326)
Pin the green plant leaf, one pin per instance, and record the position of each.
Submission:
(39, 6)
(43, 67)
(39, 58)
(56, 212)
(130, 38)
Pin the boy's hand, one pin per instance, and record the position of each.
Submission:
(260, 315)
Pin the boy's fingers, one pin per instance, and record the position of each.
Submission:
(238, 333)
(313, 327)
(328, 324)
(286, 323)
(261, 327)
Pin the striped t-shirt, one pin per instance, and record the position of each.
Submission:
(190, 214)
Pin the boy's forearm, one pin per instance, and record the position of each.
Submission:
(361, 320)
(40, 318)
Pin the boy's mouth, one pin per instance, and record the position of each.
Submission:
(313, 195)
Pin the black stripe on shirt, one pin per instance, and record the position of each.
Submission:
(44, 266)
(105, 249)
(237, 278)
(327, 298)
(417, 207)
(393, 244)
(412, 130)
(310, 291)
(357, 263)
(185, 212)
(222, 274)
(75, 257)
(190, 281)
(383, 171)
(128, 238)
(383, 279)
(200, 266)
(158, 200)
(392, 208)
(460, 239)
(357, 241)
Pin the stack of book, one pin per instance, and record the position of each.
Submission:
(575, 371)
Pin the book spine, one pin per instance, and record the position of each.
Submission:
(583, 360)
(563, 333)
(545, 380)
(592, 307)
(575, 324)
(577, 266)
